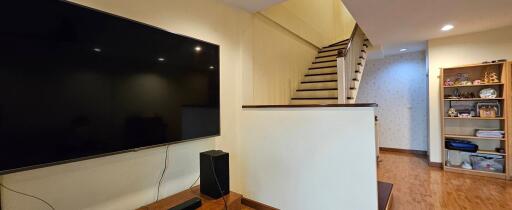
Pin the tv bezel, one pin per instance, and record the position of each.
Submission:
(44, 165)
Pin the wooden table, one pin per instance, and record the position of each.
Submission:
(234, 201)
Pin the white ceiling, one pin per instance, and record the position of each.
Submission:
(396, 24)
(252, 5)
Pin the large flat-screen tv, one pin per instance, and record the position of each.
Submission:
(77, 83)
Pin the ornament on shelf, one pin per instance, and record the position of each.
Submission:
(452, 112)
(491, 77)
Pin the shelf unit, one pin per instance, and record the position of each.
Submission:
(462, 128)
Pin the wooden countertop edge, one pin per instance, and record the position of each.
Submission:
(310, 106)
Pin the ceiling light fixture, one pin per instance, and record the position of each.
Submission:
(161, 59)
(198, 48)
(403, 50)
(97, 49)
(447, 27)
(211, 67)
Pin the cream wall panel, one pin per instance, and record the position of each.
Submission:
(320, 22)
(398, 84)
(454, 51)
(280, 60)
(317, 158)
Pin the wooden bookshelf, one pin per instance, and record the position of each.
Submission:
(448, 136)
(463, 128)
(472, 99)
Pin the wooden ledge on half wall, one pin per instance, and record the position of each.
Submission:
(311, 105)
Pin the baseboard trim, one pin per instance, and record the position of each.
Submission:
(256, 205)
(408, 151)
(435, 164)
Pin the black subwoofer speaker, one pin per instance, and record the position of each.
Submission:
(214, 172)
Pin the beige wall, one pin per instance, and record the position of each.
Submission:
(129, 180)
(280, 60)
(260, 63)
(320, 22)
(460, 50)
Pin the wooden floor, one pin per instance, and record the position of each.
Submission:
(418, 186)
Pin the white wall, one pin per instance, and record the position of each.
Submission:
(460, 50)
(310, 158)
(398, 84)
(129, 180)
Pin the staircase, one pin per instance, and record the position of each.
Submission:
(327, 80)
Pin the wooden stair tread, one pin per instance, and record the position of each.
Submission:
(319, 98)
(304, 82)
(322, 74)
(385, 191)
(323, 51)
(318, 89)
(325, 56)
(328, 61)
(322, 67)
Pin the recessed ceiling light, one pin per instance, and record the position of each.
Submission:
(211, 67)
(403, 50)
(198, 48)
(97, 49)
(447, 27)
(161, 59)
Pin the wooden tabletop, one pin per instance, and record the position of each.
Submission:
(232, 199)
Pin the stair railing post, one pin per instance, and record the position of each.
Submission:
(342, 78)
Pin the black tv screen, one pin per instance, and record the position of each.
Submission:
(77, 83)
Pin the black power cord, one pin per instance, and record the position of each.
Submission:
(163, 172)
(218, 184)
(25, 194)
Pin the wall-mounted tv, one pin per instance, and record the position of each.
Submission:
(77, 83)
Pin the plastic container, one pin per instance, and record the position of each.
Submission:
(491, 163)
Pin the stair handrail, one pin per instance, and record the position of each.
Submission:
(347, 64)
(343, 51)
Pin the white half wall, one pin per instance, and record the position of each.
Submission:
(310, 158)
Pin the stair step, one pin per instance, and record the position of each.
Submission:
(321, 71)
(316, 94)
(352, 88)
(322, 67)
(363, 51)
(326, 61)
(326, 56)
(330, 50)
(359, 64)
(341, 46)
(355, 79)
(321, 85)
(322, 74)
(319, 98)
(345, 41)
(357, 72)
(314, 102)
(365, 45)
(318, 89)
(366, 40)
(362, 57)
(350, 98)
(321, 81)
(328, 53)
(324, 64)
(313, 78)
